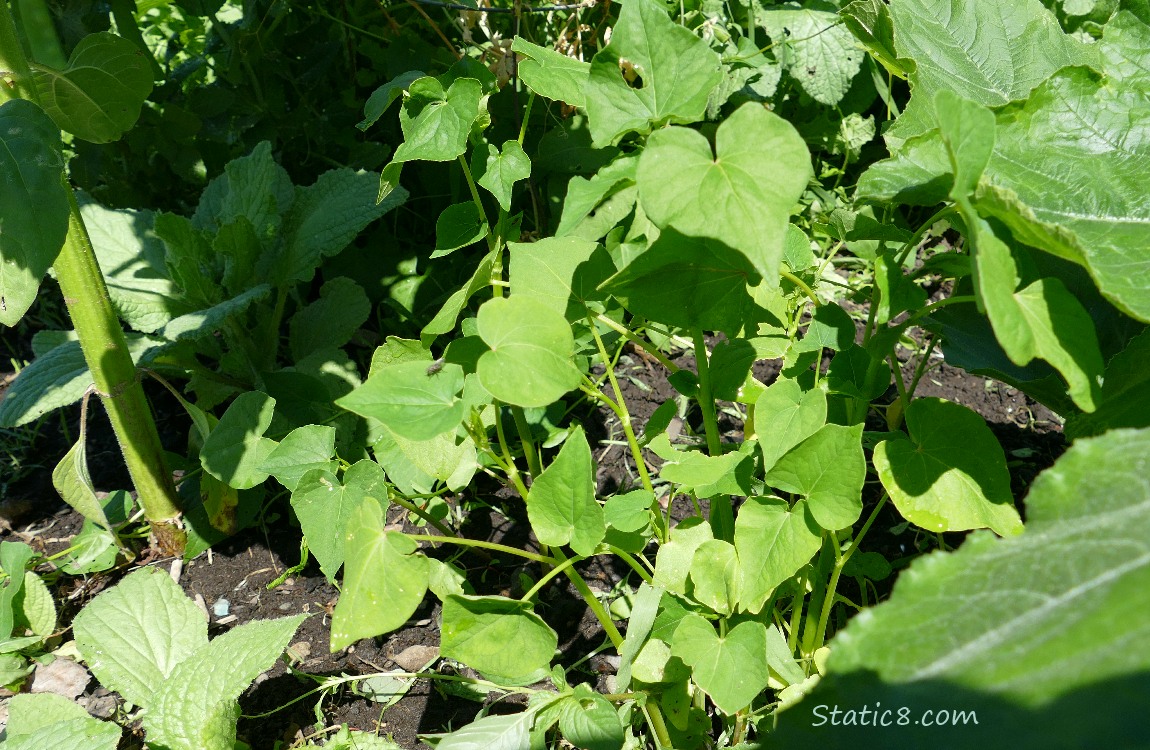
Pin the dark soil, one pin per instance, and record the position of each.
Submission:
(240, 569)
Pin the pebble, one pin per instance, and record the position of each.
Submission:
(413, 658)
(221, 607)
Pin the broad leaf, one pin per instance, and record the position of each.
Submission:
(550, 74)
(436, 121)
(562, 272)
(586, 194)
(305, 448)
(252, 186)
(742, 195)
(133, 635)
(325, 217)
(196, 708)
(444, 320)
(33, 204)
(502, 169)
(828, 468)
(715, 575)
(707, 280)
(331, 320)
(492, 733)
(589, 721)
(373, 604)
(99, 95)
(236, 449)
(732, 669)
(325, 506)
(530, 361)
(817, 50)
(786, 416)
(773, 540)
(14, 557)
(46, 721)
(1125, 399)
(477, 630)
(72, 480)
(415, 400)
(674, 559)
(382, 98)
(703, 475)
(673, 73)
(1032, 634)
(950, 475)
(459, 225)
(561, 504)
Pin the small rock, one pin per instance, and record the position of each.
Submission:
(413, 658)
(221, 607)
(62, 677)
(300, 650)
(285, 607)
(100, 706)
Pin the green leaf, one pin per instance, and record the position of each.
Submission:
(707, 280)
(72, 481)
(732, 670)
(773, 540)
(551, 74)
(254, 187)
(818, 51)
(441, 457)
(1041, 320)
(30, 178)
(236, 449)
(413, 399)
(444, 320)
(561, 272)
(46, 721)
(856, 373)
(674, 559)
(196, 708)
(585, 195)
(458, 226)
(492, 733)
(132, 261)
(436, 121)
(501, 170)
(828, 468)
(675, 70)
(1125, 400)
(950, 475)
(715, 575)
(1032, 633)
(381, 99)
(477, 630)
(331, 320)
(99, 95)
(373, 604)
(706, 476)
(325, 506)
(325, 217)
(589, 721)
(831, 327)
(785, 416)
(57, 378)
(643, 611)
(561, 504)
(742, 195)
(34, 606)
(1021, 45)
(133, 635)
(305, 448)
(530, 362)
(14, 557)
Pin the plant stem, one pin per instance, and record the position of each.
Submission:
(639, 341)
(658, 726)
(912, 243)
(114, 373)
(560, 568)
(627, 558)
(802, 285)
(722, 513)
(412, 507)
(524, 430)
(464, 542)
(102, 340)
(592, 600)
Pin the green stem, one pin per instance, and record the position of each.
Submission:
(124, 11)
(916, 238)
(492, 242)
(508, 462)
(722, 512)
(407, 504)
(627, 558)
(117, 380)
(526, 117)
(35, 21)
(802, 285)
(658, 726)
(639, 341)
(591, 600)
(463, 542)
(524, 430)
(560, 568)
(705, 399)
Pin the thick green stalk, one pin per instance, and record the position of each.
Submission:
(102, 340)
(117, 380)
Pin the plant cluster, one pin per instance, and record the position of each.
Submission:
(700, 178)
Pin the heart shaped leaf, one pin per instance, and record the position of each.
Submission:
(732, 670)
(742, 194)
(531, 345)
(561, 505)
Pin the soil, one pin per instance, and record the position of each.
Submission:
(240, 569)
